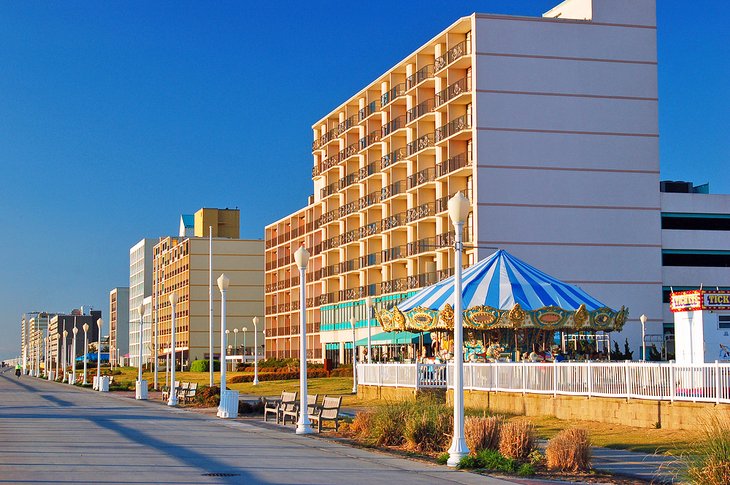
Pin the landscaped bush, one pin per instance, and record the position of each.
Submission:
(569, 450)
(709, 462)
(517, 439)
(207, 396)
(362, 423)
(341, 372)
(428, 426)
(204, 366)
(482, 432)
(491, 460)
(276, 376)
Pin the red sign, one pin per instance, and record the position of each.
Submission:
(688, 301)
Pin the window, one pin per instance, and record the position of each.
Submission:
(723, 321)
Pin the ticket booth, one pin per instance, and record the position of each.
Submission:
(701, 326)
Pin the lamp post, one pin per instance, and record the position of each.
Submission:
(228, 332)
(458, 213)
(235, 340)
(369, 303)
(73, 358)
(301, 257)
(172, 400)
(58, 354)
(65, 334)
(228, 407)
(99, 325)
(244, 329)
(141, 386)
(85, 326)
(354, 363)
(643, 319)
(255, 351)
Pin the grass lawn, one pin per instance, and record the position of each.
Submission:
(646, 440)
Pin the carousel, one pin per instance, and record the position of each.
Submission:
(512, 311)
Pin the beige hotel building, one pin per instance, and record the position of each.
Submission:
(547, 124)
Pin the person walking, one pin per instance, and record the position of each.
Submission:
(18, 370)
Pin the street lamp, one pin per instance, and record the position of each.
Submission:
(458, 213)
(228, 333)
(255, 351)
(99, 325)
(244, 342)
(235, 340)
(85, 326)
(301, 257)
(56, 336)
(141, 386)
(65, 334)
(172, 400)
(643, 319)
(228, 407)
(354, 363)
(73, 359)
(369, 304)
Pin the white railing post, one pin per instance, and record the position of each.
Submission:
(672, 381)
(397, 380)
(555, 378)
(524, 378)
(717, 382)
(380, 374)
(628, 380)
(589, 376)
(494, 376)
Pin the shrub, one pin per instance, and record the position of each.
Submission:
(526, 470)
(248, 408)
(489, 460)
(204, 366)
(208, 396)
(569, 450)
(517, 439)
(709, 461)
(443, 458)
(482, 432)
(427, 427)
(276, 376)
(362, 423)
(388, 425)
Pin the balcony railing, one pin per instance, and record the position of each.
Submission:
(393, 157)
(421, 143)
(461, 86)
(451, 55)
(454, 163)
(368, 170)
(395, 124)
(348, 152)
(392, 190)
(369, 109)
(324, 139)
(421, 211)
(420, 178)
(454, 126)
(393, 253)
(395, 92)
(420, 109)
(421, 246)
(347, 124)
(390, 222)
(368, 140)
(426, 72)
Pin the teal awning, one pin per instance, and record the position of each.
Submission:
(388, 338)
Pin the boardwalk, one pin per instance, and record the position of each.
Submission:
(55, 433)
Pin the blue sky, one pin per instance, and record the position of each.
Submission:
(116, 117)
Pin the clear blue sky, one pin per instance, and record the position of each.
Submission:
(116, 117)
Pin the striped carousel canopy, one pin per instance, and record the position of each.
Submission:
(504, 292)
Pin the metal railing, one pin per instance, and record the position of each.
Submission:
(459, 50)
(426, 72)
(419, 110)
(661, 381)
(461, 86)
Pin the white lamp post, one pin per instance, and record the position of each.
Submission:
(85, 326)
(301, 257)
(244, 329)
(172, 400)
(255, 351)
(228, 332)
(99, 324)
(58, 355)
(73, 358)
(458, 213)
(65, 334)
(141, 386)
(228, 407)
(235, 340)
(643, 319)
(354, 360)
(369, 303)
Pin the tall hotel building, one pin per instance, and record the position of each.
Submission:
(118, 325)
(547, 124)
(140, 286)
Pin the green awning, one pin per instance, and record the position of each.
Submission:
(388, 338)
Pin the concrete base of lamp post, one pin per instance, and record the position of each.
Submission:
(228, 407)
(140, 390)
(70, 378)
(101, 384)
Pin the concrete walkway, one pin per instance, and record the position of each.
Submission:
(56, 433)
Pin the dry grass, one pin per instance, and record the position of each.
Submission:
(569, 450)
(362, 423)
(709, 461)
(517, 439)
(482, 432)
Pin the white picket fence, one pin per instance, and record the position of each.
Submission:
(631, 380)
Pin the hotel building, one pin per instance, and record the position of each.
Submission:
(182, 264)
(140, 286)
(547, 124)
(118, 325)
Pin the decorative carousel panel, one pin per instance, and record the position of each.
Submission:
(422, 319)
(620, 320)
(399, 320)
(385, 319)
(446, 317)
(602, 319)
(518, 318)
(550, 317)
(482, 317)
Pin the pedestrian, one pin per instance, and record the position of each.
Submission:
(17, 370)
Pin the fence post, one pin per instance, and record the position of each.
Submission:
(380, 375)
(397, 376)
(627, 373)
(717, 382)
(555, 378)
(494, 376)
(672, 381)
(524, 372)
(590, 378)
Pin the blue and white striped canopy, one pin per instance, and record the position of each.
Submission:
(501, 281)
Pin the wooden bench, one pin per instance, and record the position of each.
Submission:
(166, 391)
(328, 411)
(287, 401)
(293, 413)
(182, 391)
(190, 393)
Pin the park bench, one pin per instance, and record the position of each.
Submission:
(166, 392)
(328, 411)
(182, 391)
(293, 412)
(276, 406)
(190, 393)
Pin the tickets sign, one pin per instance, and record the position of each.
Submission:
(688, 301)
